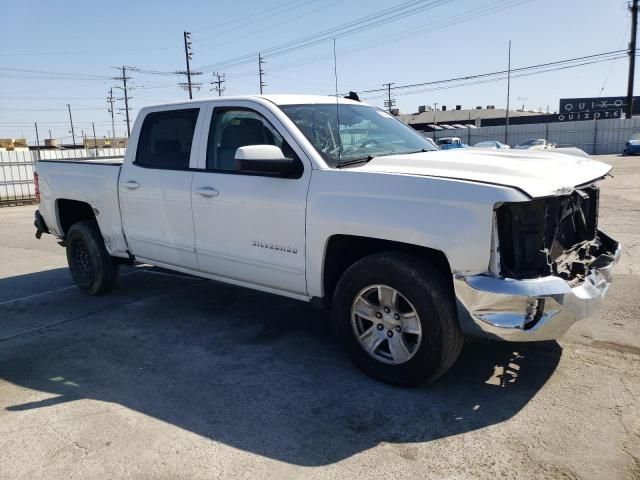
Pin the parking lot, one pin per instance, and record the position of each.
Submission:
(177, 377)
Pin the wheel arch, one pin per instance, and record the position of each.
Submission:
(72, 211)
(342, 251)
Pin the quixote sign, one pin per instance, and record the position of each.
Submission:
(597, 104)
(578, 116)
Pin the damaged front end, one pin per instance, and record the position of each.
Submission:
(550, 266)
(552, 236)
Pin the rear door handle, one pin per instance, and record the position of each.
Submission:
(131, 185)
(207, 192)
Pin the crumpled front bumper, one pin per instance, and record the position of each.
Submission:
(531, 310)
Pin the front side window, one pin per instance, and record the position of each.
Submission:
(165, 139)
(347, 133)
(234, 128)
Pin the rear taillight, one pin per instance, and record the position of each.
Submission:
(36, 183)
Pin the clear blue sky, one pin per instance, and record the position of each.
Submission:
(87, 38)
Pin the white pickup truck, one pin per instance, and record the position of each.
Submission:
(336, 201)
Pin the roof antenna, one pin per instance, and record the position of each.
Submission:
(335, 72)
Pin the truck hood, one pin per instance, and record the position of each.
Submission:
(538, 173)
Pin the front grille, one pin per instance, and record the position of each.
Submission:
(535, 236)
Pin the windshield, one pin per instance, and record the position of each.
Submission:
(346, 133)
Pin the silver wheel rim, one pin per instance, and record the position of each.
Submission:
(386, 324)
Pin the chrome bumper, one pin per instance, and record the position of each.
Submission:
(530, 310)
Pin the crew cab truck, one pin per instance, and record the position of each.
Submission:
(335, 201)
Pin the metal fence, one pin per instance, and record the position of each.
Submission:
(16, 170)
(597, 137)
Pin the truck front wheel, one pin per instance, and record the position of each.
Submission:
(394, 314)
(91, 266)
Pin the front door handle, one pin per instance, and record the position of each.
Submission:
(131, 185)
(207, 192)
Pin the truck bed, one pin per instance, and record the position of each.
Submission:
(94, 182)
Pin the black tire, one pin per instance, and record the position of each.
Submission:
(91, 266)
(429, 293)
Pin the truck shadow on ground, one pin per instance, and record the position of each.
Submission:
(257, 372)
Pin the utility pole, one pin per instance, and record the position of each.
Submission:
(187, 55)
(389, 103)
(218, 83)
(37, 139)
(261, 72)
(110, 99)
(73, 134)
(189, 85)
(95, 140)
(632, 56)
(123, 78)
(506, 120)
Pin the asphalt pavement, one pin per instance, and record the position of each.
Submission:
(177, 377)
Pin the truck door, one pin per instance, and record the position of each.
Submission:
(250, 227)
(155, 189)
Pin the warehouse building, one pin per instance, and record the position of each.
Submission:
(428, 119)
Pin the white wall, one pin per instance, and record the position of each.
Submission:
(594, 137)
(16, 169)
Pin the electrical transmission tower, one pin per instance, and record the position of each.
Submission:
(111, 99)
(188, 54)
(123, 78)
(389, 103)
(261, 72)
(218, 83)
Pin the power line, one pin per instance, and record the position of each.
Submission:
(245, 23)
(410, 7)
(610, 55)
(85, 52)
(403, 35)
(244, 18)
(494, 79)
(61, 74)
(255, 31)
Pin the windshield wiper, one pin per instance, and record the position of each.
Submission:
(355, 161)
(416, 151)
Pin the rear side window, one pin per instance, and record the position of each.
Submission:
(165, 139)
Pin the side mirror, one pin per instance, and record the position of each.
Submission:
(265, 159)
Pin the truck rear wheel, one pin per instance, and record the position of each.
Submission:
(91, 266)
(394, 314)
